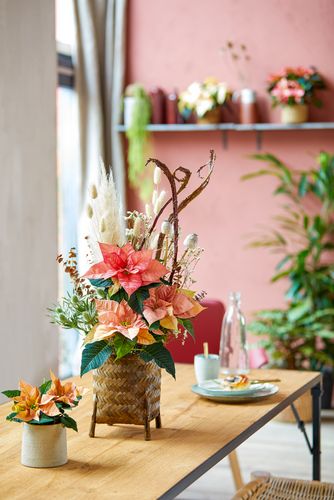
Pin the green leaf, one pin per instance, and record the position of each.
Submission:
(283, 262)
(122, 345)
(155, 325)
(300, 310)
(44, 420)
(69, 422)
(187, 325)
(11, 394)
(101, 283)
(45, 387)
(11, 416)
(94, 355)
(158, 353)
(303, 185)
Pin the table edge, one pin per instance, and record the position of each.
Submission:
(232, 445)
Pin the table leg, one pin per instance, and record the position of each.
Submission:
(316, 393)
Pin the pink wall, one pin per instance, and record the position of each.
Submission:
(174, 43)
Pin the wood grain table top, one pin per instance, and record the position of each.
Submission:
(118, 464)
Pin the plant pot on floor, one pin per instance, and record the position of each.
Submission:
(127, 391)
(43, 445)
(211, 117)
(296, 113)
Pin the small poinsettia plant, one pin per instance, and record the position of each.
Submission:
(47, 404)
(295, 86)
(137, 293)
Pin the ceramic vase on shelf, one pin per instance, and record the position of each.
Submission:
(212, 116)
(127, 391)
(129, 105)
(43, 445)
(248, 109)
(296, 113)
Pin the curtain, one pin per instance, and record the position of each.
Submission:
(99, 60)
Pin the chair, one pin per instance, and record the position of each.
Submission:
(207, 327)
(276, 488)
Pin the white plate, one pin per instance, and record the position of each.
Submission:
(267, 391)
(215, 388)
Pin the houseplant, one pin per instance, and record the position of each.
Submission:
(204, 100)
(134, 298)
(301, 336)
(294, 89)
(43, 411)
(137, 115)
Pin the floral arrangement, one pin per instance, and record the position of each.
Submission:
(295, 86)
(45, 405)
(203, 97)
(137, 294)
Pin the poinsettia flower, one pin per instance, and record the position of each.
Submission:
(167, 303)
(29, 404)
(119, 317)
(126, 266)
(67, 393)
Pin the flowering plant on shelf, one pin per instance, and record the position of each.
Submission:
(295, 86)
(137, 294)
(45, 405)
(203, 97)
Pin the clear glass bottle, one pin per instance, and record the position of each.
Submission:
(233, 342)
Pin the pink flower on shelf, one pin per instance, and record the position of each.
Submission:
(167, 303)
(284, 89)
(127, 267)
(119, 317)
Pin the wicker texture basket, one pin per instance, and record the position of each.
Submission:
(279, 488)
(127, 391)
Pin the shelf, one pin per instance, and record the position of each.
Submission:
(194, 127)
(258, 128)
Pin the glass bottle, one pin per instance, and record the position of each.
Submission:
(233, 342)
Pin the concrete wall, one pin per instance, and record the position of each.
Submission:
(174, 43)
(28, 185)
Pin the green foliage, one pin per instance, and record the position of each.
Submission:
(122, 345)
(137, 135)
(304, 236)
(158, 353)
(188, 326)
(11, 394)
(45, 386)
(69, 422)
(94, 355)
(75, 312)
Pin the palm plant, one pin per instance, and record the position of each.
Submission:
(302, 335)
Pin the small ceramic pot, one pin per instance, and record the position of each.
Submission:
(297, 113)
(43, 445)
(213, 116)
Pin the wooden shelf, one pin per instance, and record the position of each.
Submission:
(258, 128)
(193, 127)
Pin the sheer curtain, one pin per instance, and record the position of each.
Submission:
(99, 61)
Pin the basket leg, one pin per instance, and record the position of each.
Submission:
(158, 421)
(93, 420)
(147, 430)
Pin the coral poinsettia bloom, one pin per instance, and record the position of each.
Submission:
(167, 303)
(124, 265)
(29, 404)
(67, 393)
(119, 317)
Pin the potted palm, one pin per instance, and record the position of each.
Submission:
(301, 336)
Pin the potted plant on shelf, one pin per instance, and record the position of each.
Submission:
(301, 336)
(204, 100)
(137, 115)
(43, 411)
(294, 89)
(135, 297)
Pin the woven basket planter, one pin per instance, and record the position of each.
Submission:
(126, 391)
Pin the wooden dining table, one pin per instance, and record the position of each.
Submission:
(119, 464)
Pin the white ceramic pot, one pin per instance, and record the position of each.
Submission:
(43, 445)
(129, 103)
(297, 113)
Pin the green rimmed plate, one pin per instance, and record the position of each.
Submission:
(266, 391)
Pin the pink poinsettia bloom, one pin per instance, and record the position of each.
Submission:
(167, 303)
(126, 266)
(119, 317)
(67, 393)
(30, 403)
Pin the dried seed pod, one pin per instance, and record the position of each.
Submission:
(159, 202)
(93, 191)
(166, 227)
(90, 211)
(148, 210)
(138, 227)
(157, 176)
(191, 241)
(155, 196)
(102, 226)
